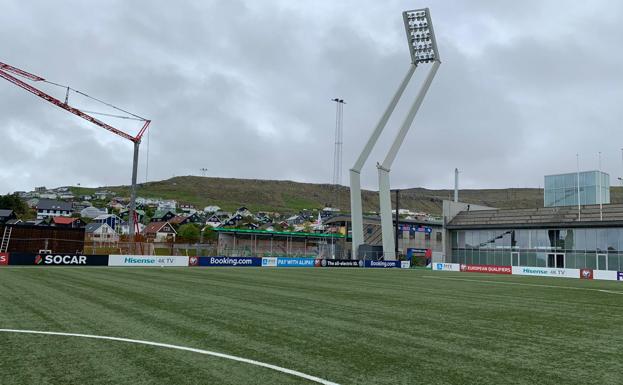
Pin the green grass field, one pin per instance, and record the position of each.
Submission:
(349, 326)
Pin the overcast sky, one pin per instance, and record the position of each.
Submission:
(243, 89)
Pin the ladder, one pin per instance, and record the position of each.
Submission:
(6, 237)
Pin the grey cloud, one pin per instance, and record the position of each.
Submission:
(244, 89)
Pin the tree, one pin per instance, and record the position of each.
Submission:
(13, 202)
(209, 234)
(189, 232)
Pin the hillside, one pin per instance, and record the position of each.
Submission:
(288, 196)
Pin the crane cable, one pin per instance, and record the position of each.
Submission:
(136, 117)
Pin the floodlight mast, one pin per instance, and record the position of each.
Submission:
(5, 73)
(355, 172)
(423, 47)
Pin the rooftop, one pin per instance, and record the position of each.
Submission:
(565, 216)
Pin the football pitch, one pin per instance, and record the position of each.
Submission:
(345, 326)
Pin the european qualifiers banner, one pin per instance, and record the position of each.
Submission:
(148, 260)
(488, 269)
(230, 261)
(338, 263)
(29, 259)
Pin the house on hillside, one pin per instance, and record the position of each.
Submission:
(160, 232)
(187, 208)
(102, 195)
(180, 220)
(169, 205)
(48, 195)
(125, 228)
(47, 208)
(110, 219)
(32, 202)
(162, 216)
(233, 220)
(92, 212)
(214, 221)
(79, 206)
(211, 209)
(245, 212)
(7, 215)
(67, 222)
(100, 232)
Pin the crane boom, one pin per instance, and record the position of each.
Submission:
(58, 103)
(6, 72)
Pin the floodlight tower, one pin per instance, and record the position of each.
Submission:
(423, 49)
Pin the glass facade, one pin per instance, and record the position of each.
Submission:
(590, 248)
(562, 189)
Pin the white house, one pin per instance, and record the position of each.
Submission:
(211, 209)
(100, 232)
(169, 205)
(92, 212)
(53, 208)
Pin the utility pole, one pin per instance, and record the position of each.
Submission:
(337, 151)
(396, 229)
(456, 184)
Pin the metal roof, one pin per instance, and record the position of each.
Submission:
(567, 216)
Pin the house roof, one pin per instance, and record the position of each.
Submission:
(161, 213)
(52, 204)
(63, 220)
(93, 226)
(176, 220)
(567, 216)
(155, 227)
(5, 213)
(104, 217)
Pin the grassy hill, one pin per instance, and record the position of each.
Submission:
(288, 196)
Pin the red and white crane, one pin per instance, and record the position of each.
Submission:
(7, 72)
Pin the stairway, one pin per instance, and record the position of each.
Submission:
(6, 237)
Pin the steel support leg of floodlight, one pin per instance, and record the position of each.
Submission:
(384, 168)
(356, 209)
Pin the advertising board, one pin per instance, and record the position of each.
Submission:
(296, 262)
(447, 266)
(4, 259)
(546, 272)
(229, 261)
(269, 262)
(31, 259)
(489, 269)
(383, 264)
(620, 276)
(193, 261)
(147, 260)
(405, 264)
(605, 275)
(586, 274)
(339, 263)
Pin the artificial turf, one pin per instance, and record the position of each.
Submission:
(350, 326)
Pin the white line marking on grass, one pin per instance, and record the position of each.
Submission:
(200, 351)
(526, 284)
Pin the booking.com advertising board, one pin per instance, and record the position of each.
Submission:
(229, 261)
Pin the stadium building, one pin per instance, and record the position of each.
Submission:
(559, 237)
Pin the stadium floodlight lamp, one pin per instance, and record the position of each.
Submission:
(421, 36)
